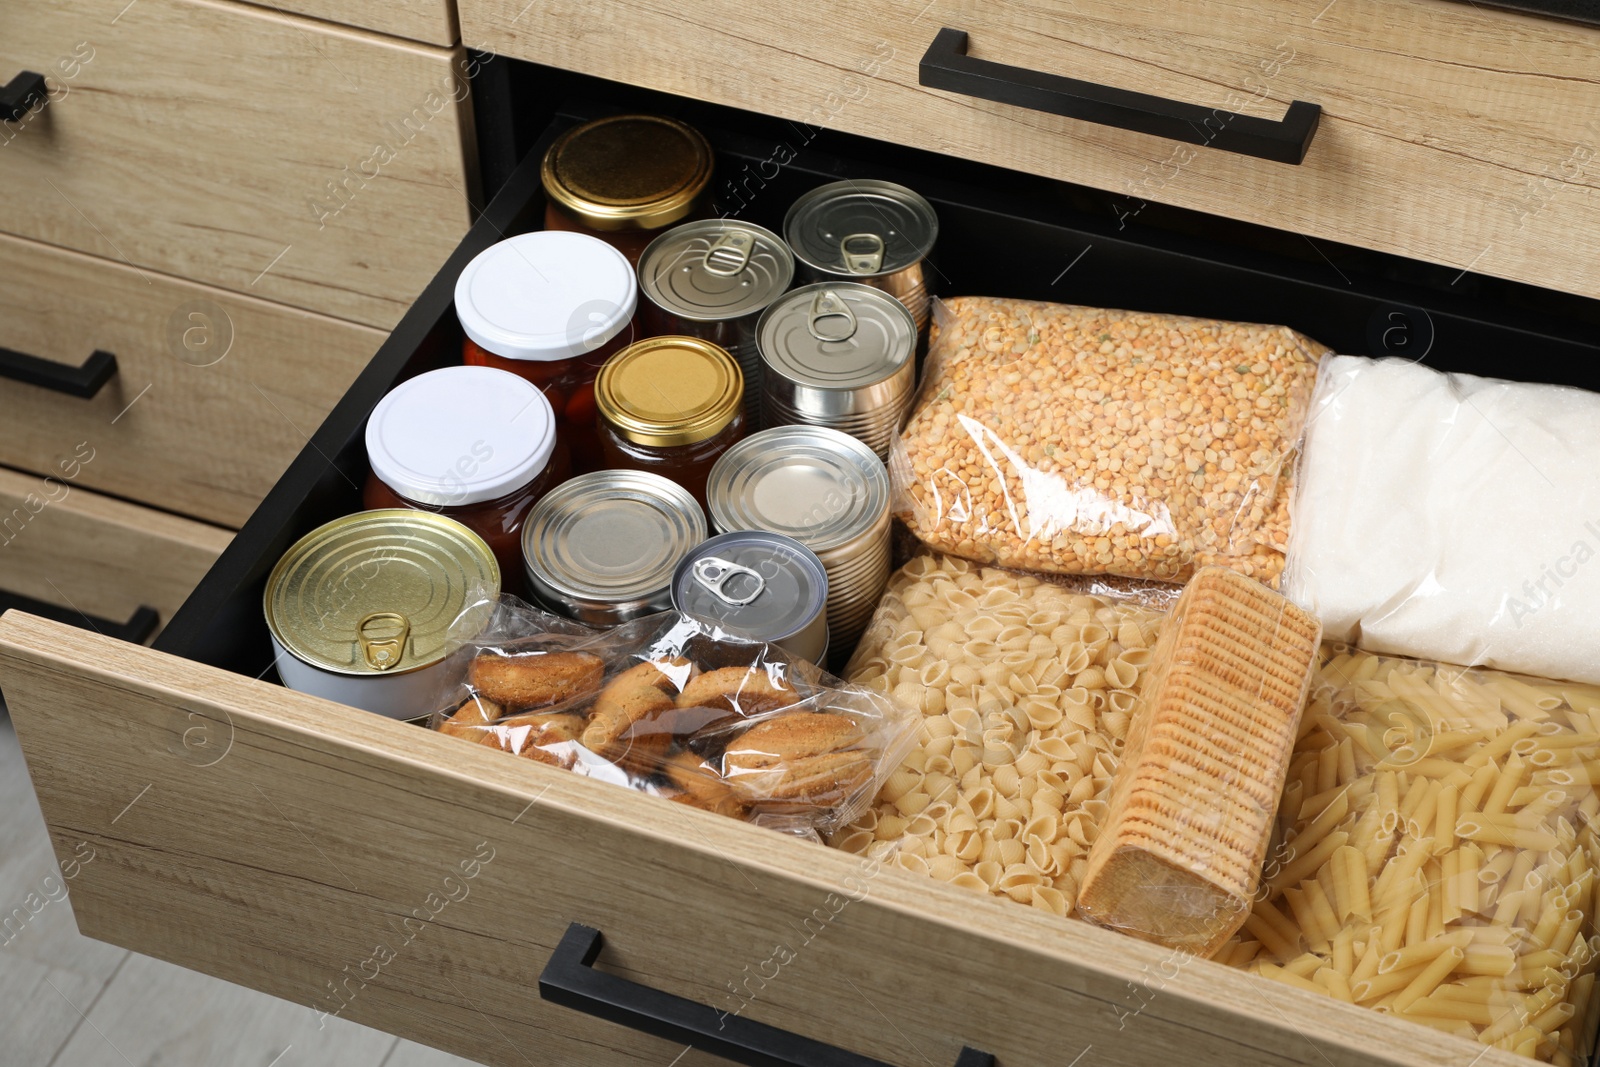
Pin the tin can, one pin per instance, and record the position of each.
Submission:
(712, 280)
(602, 548)
(759, 585)
(826, 490)
(875, 232)
(841, 355)
(360, 610)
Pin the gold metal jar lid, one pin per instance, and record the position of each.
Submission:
(668, 391)
(377, 592)
(628, 172)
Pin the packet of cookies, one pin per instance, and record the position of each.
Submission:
(677, 708)
(1077, 440)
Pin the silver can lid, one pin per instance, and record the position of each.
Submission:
(610, 537)
(861, 227)
(715, 269)
(762, 585)
(819, 486)
(836, 335)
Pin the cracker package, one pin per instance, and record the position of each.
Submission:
(1192, 809)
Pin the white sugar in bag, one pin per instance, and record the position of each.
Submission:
(1450, 517)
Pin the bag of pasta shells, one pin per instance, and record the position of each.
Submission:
(1080, 440)
(1026, 690)
(1437, 853)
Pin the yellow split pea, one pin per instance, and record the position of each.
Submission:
(1083, 441)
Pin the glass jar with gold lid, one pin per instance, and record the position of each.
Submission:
(670, 406)
(626, 178)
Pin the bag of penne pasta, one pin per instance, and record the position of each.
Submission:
(1436, 853)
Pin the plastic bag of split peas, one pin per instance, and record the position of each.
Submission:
(1026, 689)
(1437, 853)
(1077, 440)
(676, 708)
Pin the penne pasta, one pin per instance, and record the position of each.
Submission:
(1378, 986)
(1460, 885)
(1429, 978)
(1349, 876)
(1444, 824)
(1287, 977)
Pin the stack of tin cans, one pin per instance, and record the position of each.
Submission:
(841, 355)
(712, 280)
(874, 232)
(602, 547)
(826, 490)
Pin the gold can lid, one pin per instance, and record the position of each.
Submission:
(377, 592)
(628, 172)
(669, 391)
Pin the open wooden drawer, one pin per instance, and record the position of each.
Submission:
(365, 867)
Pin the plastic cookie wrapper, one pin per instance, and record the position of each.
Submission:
(1436, 852)
(1451, 517)
(1026, 691)
(675, 707)
(1050, 437)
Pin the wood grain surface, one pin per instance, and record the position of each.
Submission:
(66, 545)
(71, 1001)
(47, 971)
(288, 844)
(1451, 133)
(285, 158)
(429, 21)
(214, 394)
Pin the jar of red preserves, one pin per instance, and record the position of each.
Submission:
(670, 406)
(475, 444)
(626, 178)
(550, 308)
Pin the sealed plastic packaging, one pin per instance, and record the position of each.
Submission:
(674, 707)
(1077, 440)
(1026, 691)
(1437, 852)
(1179, 858)
(1449, 517)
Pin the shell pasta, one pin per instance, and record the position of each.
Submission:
(1026, 689)
(1437, 853)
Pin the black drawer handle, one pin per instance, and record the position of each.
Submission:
(946, 65)
(84, 381)
(20, 94)
(569, 979)
(140, 625)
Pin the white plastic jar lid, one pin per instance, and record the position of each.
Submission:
(461, 435)
(546, 295)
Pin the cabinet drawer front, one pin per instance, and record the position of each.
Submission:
(213, 395)
(270, 155)
(106, 558)
(409, 881)
(1449, 133)
(429, 21)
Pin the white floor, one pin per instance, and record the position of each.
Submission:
(67, 1001)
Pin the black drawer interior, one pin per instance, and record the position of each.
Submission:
(1001, 233)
